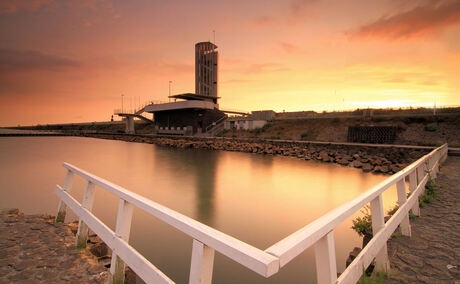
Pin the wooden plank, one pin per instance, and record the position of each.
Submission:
(412, 186)
(60, 216)
(122, 230)
(326, 264)
(402, 198)
(378, 224)
(245, 254)
(294, 244)
(139, 264)
(202, 264)
(87, 203)
(355, 270)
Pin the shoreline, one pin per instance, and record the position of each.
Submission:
(384, 159)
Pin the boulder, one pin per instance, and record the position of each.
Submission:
(381, 169)
(356, 164)
(99, 249)
(367, 167)
(323, 155)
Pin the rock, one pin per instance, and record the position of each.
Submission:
(353, 254)
(376, 162)
(356, 157)
(99, 249)
(395, 168)
(324, 156)
(381, 169)
(367, 167)
(12, 211)
(356, 164)
(343, 162)
(364, 160)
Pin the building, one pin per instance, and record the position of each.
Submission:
(193, 114)
(206, 63)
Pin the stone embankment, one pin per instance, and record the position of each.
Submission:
(385, 160)
(35, 249)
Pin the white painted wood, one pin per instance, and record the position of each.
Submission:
(378, 223)
(265, 263)
(61, 213)
(326, 264)
(294, 244)
(251, 257)
(139, 264)
(122, 230)
(402, 198)
(354, 271)
(412, 186)
(87, 203)
(202, 264)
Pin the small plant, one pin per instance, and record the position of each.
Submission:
(429, 194)
(391, 212)
(274, 137)
(412, 216)
(374, 278)
(431, 127)
(304, 136)
(363, 225)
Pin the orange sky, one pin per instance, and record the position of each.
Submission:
(70, 61)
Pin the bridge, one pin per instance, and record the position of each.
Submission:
(206, 240)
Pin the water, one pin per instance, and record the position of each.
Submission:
(257, 199)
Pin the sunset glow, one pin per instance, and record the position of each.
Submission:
(70, 61)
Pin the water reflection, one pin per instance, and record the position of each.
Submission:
(197, 167)
(255, 198)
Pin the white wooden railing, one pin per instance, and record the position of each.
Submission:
(206, 240)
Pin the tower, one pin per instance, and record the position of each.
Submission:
(206, 58)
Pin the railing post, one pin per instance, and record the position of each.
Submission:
(87, 203)
(202, 263)
(326, 264)
(378, 223)
(122, 230)
(402, 198)
(420, 172)
(412, 187)
(62, 208)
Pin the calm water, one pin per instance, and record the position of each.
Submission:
(257, 199)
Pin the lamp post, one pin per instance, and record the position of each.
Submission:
(169, 91)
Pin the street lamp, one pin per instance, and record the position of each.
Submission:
(170, 82)
(122, 102)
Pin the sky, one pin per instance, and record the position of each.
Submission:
(71, 61)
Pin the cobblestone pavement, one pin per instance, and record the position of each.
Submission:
(34, 249)
(432, 253)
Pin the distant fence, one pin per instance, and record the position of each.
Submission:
(319, 233)
(372, 134)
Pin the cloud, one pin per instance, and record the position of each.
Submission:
(432, 16)
(264, 21)
(30, 60)
(298, 7)
(265, 67)
(288, 47)
(12, 6)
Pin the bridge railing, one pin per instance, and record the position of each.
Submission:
(206, 240)
(320, 234)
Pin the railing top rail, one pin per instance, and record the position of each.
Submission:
(241, 252)
(294, 244)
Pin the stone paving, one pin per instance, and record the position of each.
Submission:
(34, 249)
(432, 253)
